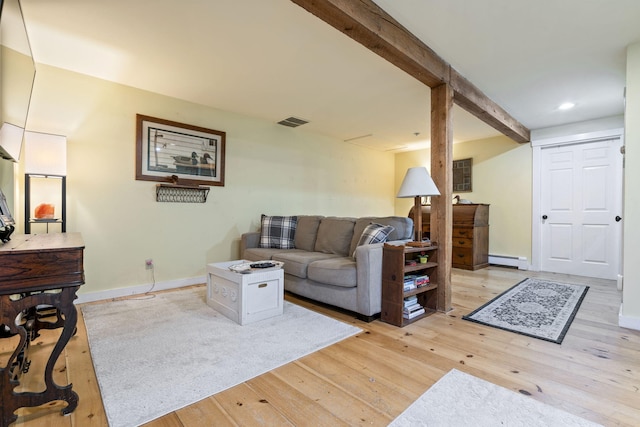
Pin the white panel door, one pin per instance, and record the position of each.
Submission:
(581, 204)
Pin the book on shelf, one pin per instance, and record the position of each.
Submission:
(413, 314)
(421, 281)
(411, 308)
(408, 287)
(410, 300)
(409, 282)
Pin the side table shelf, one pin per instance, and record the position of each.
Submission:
(397, 266)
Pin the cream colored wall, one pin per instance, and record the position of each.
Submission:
(501, 177)
(631, 290)
(269, 169)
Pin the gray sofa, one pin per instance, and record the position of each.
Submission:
(322, 267)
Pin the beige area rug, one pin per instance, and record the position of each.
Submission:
(461, 400)
(154, 356)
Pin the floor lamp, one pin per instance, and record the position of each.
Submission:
(45, 178)
(417, 183)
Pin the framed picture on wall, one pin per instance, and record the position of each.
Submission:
(166, 149)
(462, 175)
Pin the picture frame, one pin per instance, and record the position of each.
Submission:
(168, 151)
(462, 182)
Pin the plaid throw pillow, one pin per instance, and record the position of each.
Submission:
(374, 233)
(278, 232)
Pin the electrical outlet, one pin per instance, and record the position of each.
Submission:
(148, 264)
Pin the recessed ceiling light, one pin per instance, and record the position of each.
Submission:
(566, 106)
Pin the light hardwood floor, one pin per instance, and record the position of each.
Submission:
(369, 379)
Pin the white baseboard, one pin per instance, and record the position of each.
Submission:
(509, 261)
(628, 321)
(139, 289)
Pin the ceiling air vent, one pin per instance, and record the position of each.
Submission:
(293, 122)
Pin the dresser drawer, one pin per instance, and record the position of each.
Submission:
(461, 257)
(462, 232)
(462, 242)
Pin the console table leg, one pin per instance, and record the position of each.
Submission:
(63, 302)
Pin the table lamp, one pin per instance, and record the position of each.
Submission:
(417, 183)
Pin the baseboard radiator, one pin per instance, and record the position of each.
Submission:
(509, 261)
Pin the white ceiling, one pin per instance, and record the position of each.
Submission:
(271, 59)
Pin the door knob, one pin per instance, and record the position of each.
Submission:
(618, 218)
(544, 217)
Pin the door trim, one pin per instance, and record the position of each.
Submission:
(536, 202)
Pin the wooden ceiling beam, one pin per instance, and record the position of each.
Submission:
(469, 97)
(369, 25)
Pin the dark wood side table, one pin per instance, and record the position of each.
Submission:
(37, 271)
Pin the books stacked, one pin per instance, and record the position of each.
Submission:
(412, 308)
(409, 282)
(421, 281)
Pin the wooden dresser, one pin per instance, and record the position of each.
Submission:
(470, 234)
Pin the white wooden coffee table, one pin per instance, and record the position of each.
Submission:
(245, 298)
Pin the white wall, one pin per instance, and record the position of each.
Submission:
(630, 313)
(270, 169)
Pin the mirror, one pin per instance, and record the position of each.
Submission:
(17, 73)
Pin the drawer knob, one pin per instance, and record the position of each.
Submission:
(262, 285)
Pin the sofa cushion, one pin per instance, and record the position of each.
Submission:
(259, 254)
(306, 232)
(403, 228)
(296, 261)
(373, 233)
(278, 231)
(335, 235)
(339, 271)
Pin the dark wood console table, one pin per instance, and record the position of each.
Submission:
(38, 273)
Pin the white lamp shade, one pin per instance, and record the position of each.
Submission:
(11, 141)
(45, 154)
(418, 182)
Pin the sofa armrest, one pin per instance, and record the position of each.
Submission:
(369, 271)
(249, 240)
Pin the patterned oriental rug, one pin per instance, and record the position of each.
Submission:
(534, 307)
